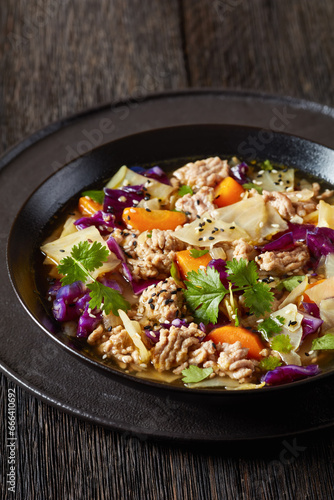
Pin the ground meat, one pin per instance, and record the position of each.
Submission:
(323, 196)
(118, 346)
(243, 250)
(281, 203)
(127, 240)
(208, 172)
(162, 302)
(98, 336)
(197, 204)
(233, 362)
(282, 262)
(154, 256)
(174, 345)
(203, 354)
(304, 208)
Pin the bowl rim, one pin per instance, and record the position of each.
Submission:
(120, 375)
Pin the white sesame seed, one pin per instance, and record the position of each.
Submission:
(259, 320)
(132, 210)
(289, 189)
(299, 195)
(261, 172)
(104, 356)
(281, 183)
(258, 183)
(261, 224)
(122, 198)
(274, 171)
(274, 225)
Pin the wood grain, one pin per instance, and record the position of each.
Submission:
(59, 57)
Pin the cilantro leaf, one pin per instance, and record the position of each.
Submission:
(281, 343)
(290, 283)
(175, 274)
(267, 165)
(72, 271)
(84, 259)
(242, 273)
(323, 343)
(95, 195)
(251, 185)
(90, 256)
(259, 298)
(106, 298)
(268, 327)
(149, 235)
(270, 363)
(195, 374)
(185, 190)
(204, 293)
(198, 253)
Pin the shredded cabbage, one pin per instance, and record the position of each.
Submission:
(62, 247)
(134, 330)
(293, 327)
(326, 215)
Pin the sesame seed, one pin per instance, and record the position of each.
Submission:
(201, 229)
(211, 238)
(261, 172)
(198, 216)
(134, 243)
(261, 224)
(128, 217)
(222, 230)
(274, 225)
(168, 301)
(274, 171)
(150, 301)
(232, 227)
(276, 183)
(198, 202)
(61, 250)
(148, 210)
(132, 210)
(200, 239)
(152, 306)
(122, 199)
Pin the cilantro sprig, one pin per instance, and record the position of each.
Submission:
(84, 259)
(270, 363)
(185, 190)
(205, 291)
(269, 326)
(281, 343)
(95, 195)
(195, 374)
(198, 253)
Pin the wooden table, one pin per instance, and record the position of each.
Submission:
(62, 56)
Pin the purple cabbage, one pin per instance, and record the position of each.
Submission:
(116, 249)
(220, 266)
(71, 292)
(153, 173)
(320, 241)
(116, 200)
(239, 173)
(53, 289)
(140, 286)
(101, 220)
(111, 284)
(88, 321)
(311, 308)
(221, 321)
(290, 373)
(81, 303)
(282, 243)
(64, 312)
(310, 324)
(153, 335)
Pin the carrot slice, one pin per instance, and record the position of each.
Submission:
(231, 334)
(228, 192)
(186, 263)
(146, 220)
(88, 207)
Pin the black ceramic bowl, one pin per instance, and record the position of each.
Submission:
(167, 146)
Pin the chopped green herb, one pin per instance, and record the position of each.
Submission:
(97, 196)
(250, 185)
(84, 259)
(195, 374)
(267, 165)
(269, 326)
(290, 283)
(198, 253)
(204, 293)
(281, 343)
(323, 343)
(270, 363)
(185, 190)
(175, 274)
(149, 235)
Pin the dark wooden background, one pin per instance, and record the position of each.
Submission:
(58, 57)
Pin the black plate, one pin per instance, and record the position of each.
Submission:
(45, 370)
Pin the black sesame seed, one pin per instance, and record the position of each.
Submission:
(232, 227)
(152, 306)
(201, 229)
(198, 202)
(200, 239)
(177, 313)
(148, 210)
(276, 183)
(188, 213)
(168, 301)
(211, 238)
(288, 182)
(198, 216)
(150, 301)
(216, 228)
(147, 197)
(222, 230)
(174, 292)
(61, 250)
(153, 294)
(147, 327)
(110, 328)
(134, 243)
(209, 221)
(179, 289)
(128, 217)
